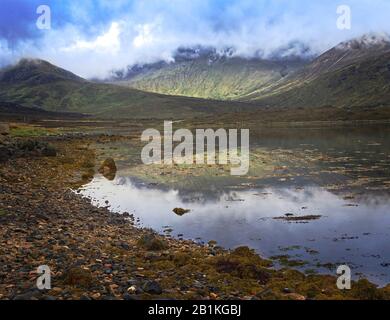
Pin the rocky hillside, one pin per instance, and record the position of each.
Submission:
(206, 73)
(353, 74)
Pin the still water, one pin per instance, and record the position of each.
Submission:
(347, 191)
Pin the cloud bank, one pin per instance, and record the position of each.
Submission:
(92, 37)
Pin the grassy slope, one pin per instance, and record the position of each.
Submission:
(356, 78)
(110, 101)
(40, 84)
(224, 79)
(358, 83)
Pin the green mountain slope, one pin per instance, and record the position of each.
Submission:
(208, 75)
(353, 74)
(36, 83)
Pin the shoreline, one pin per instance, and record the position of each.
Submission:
(96, 254)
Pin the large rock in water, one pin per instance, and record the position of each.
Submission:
(108, 169)
(4, 129)
(180, 211)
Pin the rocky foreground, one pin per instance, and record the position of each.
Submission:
(95, 254)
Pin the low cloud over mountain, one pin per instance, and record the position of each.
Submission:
(93, 37)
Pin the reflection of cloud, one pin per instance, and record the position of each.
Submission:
(250, 222)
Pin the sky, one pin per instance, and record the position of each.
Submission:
(93, 37)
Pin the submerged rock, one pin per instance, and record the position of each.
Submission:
(181, 211)
(290, 217)
(108, 169)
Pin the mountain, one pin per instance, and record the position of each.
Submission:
(355, 73)
(39, 84)
(36, 72)
(206, 73)
(349, 81)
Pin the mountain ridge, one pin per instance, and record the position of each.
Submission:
(354, 74)
(350, 74)
(36, 71)
(39, 84)
(206, 73)
(325, 80)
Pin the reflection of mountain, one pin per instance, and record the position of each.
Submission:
(186, 195)
(234, 196)
(251, 222)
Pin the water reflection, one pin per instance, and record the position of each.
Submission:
(355, 233)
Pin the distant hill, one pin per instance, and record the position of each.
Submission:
(39, 84)
(35, 72)
(350, 81)
(206, 73)
(353, 74)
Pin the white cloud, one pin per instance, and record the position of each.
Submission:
(152, 30)
(145, 35)
(108, 41)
